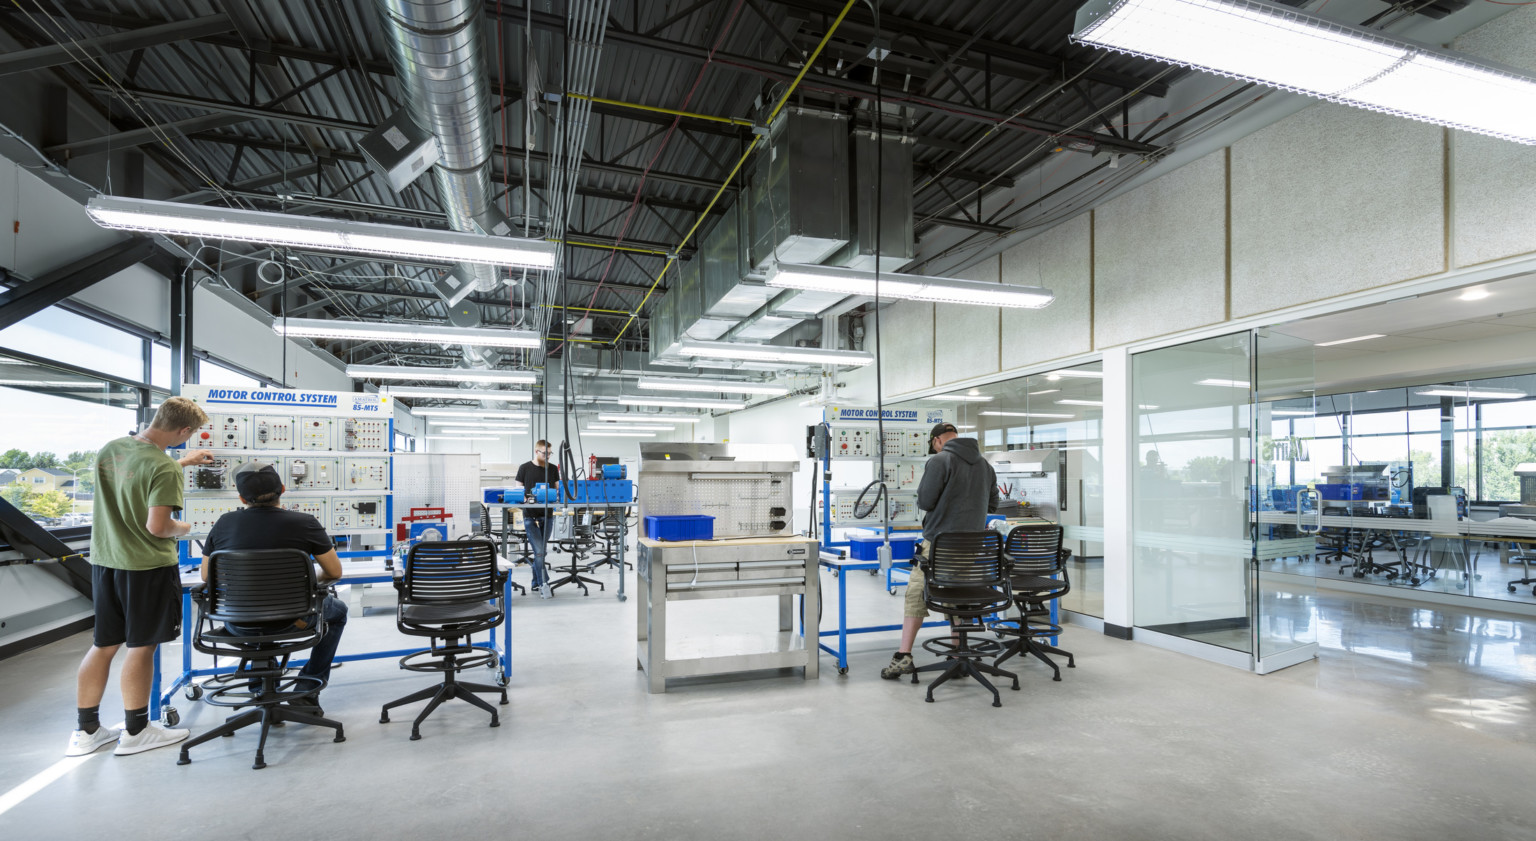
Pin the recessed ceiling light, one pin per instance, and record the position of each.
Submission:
(1474, 294)
(964, 398)
(1473, 393)
(1027, 415)
(1347, 341)
(1228, 383)
(1071, 402)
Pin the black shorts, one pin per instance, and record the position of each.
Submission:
(138, 606)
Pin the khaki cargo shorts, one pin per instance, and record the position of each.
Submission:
(914, 607)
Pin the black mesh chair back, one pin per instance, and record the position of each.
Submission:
(966, 575)
(450, 591)
(450, 573)
(1034, 550)
(965, 578)
(1039, 577)
(260, 606)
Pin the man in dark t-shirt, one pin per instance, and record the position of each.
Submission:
(264, 524)
(536, 520)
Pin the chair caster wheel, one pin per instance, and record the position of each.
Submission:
(1057, 678)
(1511, 588)
(415, 737)
(339, 738)
(495, 722)
(170, 717)
(194, 691)
(842, 670)
(504, 700)
(929, 699)
(997, 703)
(260, 764)
(184, 760)
(384, 718)
(1015, 686)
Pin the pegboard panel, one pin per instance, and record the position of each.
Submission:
(742, 507)
(450, 480)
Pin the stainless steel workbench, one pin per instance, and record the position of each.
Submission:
(724, 569)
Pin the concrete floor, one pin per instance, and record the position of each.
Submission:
(1413, 724)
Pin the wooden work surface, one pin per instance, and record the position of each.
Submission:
(735, 541)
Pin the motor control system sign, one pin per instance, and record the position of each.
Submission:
(229, 398)
(870, 414)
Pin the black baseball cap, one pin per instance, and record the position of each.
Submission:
(940, 429)
(258, 481)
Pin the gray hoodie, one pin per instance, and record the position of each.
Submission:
(959, 490)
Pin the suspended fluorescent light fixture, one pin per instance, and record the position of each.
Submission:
(1227, 383)
(462, 438)
(476, 430)
(1293, 413)
(1070, 402)
(1026, 415)
(1348, 341)
(477, 424)
(452, 375)
(202, 221)
(909, 287)
(683, 402)
(1473, 393)
(468, 413)
(625, 427)
(964, 398)
(1073, 374)
(776, 353)
(381, 331)
(1283, 47)
(482, 394)
(620, 434)
(727, 386)
(625, 417)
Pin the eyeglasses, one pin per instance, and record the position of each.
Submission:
(541, 452)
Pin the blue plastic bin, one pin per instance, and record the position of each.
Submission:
(867, 547)
(680, 527)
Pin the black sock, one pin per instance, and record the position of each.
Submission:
(135, 720)
(90, 719)
(900, 653)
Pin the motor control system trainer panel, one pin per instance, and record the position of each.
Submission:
(313, 453)
(864, 442)
(904, 510)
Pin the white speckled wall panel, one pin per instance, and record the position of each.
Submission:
(1333, 200)
(1060, 260)
(1159, 255)
(1495, 179)
(965, 336)
(907, 359)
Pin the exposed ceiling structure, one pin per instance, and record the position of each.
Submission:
(263, 103)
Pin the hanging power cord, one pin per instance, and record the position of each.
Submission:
(862, 510)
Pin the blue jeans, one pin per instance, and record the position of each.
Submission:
(319, 665)
(538, 534)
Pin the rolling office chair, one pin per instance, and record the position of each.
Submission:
(966, 580)
(577, 547)
(480, 516)
(612, 531)
(516, 586)
(1037, 560)
(1332, 541)
(246, 594)
(449, 592)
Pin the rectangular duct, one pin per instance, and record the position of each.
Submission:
(400, 150)
(800, 189)
(882, 178)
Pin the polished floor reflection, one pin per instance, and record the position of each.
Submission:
(1087, 594)
(1490, 578)
(1475, 670)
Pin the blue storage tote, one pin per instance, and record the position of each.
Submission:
(680, 527)
(867, 547)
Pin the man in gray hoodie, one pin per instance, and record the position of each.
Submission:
(958, 490)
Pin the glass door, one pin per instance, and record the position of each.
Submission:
(1287, 511)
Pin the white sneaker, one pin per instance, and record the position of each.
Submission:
(82, 743)
(151, 737)
(546, 592)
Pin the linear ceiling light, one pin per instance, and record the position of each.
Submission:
(1070, 402)
(626, 417)
(451, 375)
(907, 286)
(1474, 393)
(478, 424)
(1347, 341)
(462, 438)
(1227, 383)
(1073, 374)
(626, 427)
(683, 402)
(727, 386)
(380, 331)
(476, 430)
(482, 394)
(964, 398)
(776, 353)
(1026, 415)
(205, 222)
(620, 434)
(1293, 413)
(469, 413)
(1287, 48)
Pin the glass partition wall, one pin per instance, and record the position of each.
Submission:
(1060, 410)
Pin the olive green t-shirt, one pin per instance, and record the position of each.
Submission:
(131, 478)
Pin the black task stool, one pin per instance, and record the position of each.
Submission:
(516, 586)
(612, 532)
(577, 547)
(1037, 559)
(248, 593)
(965, 578)
(451, 591)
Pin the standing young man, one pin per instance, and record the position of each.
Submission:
(134, 580)
(265, 524)
(536, 520)
(958, 491)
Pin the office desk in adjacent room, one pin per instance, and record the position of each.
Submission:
(723, 569)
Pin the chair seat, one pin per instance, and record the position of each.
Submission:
(1035, 583)
(448, 615)
(962, 595)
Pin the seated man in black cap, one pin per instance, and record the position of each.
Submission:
(264, 524)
